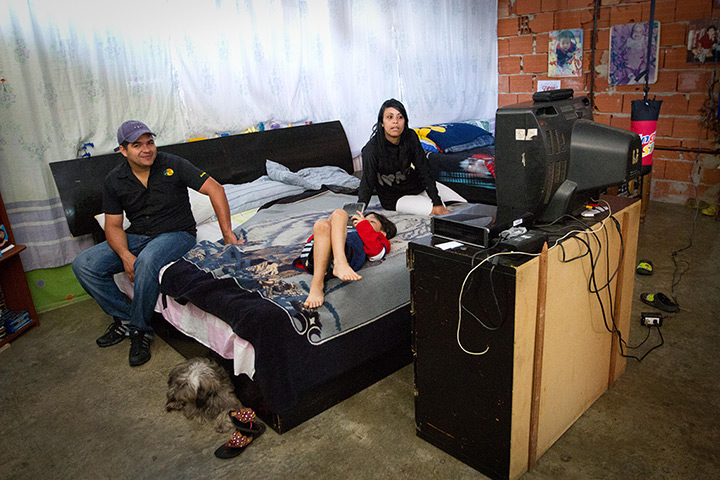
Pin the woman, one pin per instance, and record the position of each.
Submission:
(396, 168)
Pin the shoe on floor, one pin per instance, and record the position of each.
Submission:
(114, 334)
(139, 348)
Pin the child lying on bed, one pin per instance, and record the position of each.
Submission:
(337, 250)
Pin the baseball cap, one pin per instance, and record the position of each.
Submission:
(130, 131)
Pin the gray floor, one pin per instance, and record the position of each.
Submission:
(70, 410)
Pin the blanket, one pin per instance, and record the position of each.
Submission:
(255, 288)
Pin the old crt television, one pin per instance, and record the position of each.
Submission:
(550, 155)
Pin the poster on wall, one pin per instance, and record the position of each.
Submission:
(565, 53)
(703, 41)
(628, 53)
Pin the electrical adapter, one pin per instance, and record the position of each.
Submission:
(529, 242)
(651, 319)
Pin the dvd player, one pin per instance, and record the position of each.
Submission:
(477, 224)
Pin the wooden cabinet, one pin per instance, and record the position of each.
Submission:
(547, 352)
(13, 280)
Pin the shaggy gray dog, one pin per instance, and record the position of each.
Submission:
(202, 390)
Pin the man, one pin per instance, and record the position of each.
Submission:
(151, 188)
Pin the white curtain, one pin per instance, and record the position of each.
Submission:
(71, 72)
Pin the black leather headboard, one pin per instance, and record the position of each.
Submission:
(232, 159)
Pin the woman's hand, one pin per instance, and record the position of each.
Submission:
(439, 210)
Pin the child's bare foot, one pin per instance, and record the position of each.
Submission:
(315, 298)
(345, 273)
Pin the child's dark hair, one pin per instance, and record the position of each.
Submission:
(387, 226)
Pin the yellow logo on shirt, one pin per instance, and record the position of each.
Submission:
(169, 172)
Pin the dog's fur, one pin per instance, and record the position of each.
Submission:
(202, 390)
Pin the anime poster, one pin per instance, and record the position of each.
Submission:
(565, 53)
(703, 41)
(628, 53)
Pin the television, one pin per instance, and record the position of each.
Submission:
(551, 157)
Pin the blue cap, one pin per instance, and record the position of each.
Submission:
(130, 131)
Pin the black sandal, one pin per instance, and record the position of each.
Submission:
(659, 301)
(240, 440)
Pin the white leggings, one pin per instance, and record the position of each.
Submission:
(422, 204)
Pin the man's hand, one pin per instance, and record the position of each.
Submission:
(231, 239)
(129, 265)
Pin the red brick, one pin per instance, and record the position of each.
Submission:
(608, 103)
(528, 7)
(507, 27)
(669, 191)
(535, 63)
(666, 81)
(509, 65)
(554, 5)
(665, 126)
(521, 83)
(542, 22)
(673, 34)
(525, 97)
(572, 19)
(602, 118)
(542, 41)
(692, 9)
(576, 83)
(628, 99)
(601, 84)
(710, 176)
(575, 4)
(688, 127)
(603, 39)
(666, 142)
(664, 12)
(668, 155)
(694, 81)
(505, 8)
(696, 103)
(678, 171)
(603, 17)
(626, 14)
(673, 104)
(675, 57)
(521, 45)
(503, 47)
(506, 99)
(503, 83)
(620, 121)
(658, 167)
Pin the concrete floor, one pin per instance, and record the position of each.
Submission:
(70, 410)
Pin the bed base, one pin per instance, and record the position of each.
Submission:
(312, 402)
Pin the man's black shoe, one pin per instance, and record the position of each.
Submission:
(114, 334)
(139, 348)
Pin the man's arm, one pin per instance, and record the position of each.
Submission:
(219, 202)
(117, 240)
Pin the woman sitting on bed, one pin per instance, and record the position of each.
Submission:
(336, 250)
(396, 168)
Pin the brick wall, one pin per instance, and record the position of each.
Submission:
(523, 34)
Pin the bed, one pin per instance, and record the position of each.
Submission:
(242, 304)
(462, 156)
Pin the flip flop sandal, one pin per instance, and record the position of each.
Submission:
(659, 301)
(242, 416)
(238, 443)
(645, 267)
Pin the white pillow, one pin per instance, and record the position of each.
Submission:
(200, 205)
(311, 178)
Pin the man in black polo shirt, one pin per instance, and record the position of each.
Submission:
(151, 188)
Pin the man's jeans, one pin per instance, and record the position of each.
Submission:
(95, 267)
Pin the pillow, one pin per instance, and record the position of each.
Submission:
(257, 193)
(201, 206)
(312, 178)
(100, 219)
(456, 137)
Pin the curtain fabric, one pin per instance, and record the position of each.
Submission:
(71, 74)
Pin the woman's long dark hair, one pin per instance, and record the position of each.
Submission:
(379, 131)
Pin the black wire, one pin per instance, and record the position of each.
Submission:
(492, 289)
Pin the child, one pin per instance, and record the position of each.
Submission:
(565, 49)
(337, 250)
